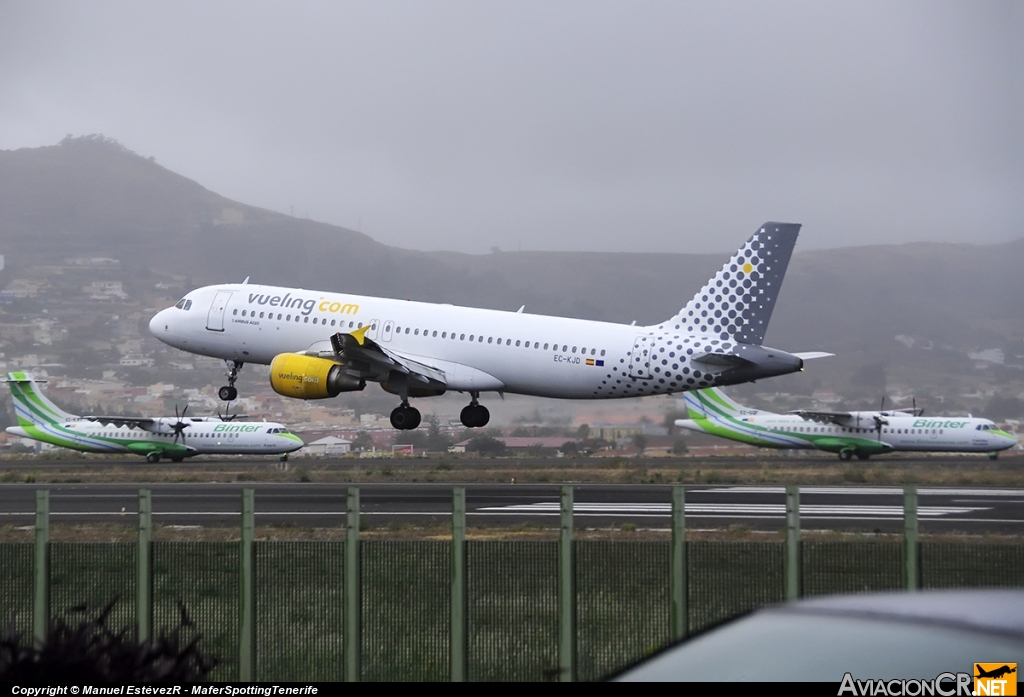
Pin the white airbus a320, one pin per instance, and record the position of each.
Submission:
(320, 344)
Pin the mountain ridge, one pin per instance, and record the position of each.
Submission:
(93, 197)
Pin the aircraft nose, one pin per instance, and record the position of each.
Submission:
(160, 325)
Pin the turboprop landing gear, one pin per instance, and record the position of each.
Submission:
(845, 454)
(153, 457)
(993, 456)
(228, 392)
(475, 415)
(404, 417)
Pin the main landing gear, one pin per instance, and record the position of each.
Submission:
(228, 392)
(404, 417)
(475, 415)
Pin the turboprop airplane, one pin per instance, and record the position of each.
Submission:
(319, 344)
(170, 438)
(848, 433)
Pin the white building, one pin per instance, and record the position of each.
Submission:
(330, 445)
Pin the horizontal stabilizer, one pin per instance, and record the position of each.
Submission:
(727, 360)
(808, 355)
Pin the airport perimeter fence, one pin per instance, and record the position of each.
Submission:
(456, 610)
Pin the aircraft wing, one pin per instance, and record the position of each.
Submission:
(365, 358)
(133, 421)
(825, 417)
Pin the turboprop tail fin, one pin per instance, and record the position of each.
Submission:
(30, 405)
(712, 402)
(738, 301)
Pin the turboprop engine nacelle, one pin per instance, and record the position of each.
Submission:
(308, 377)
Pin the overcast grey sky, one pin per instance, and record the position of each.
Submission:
(606, 126)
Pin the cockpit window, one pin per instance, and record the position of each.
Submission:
(184, 304)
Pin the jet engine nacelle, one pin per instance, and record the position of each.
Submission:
(308, 377)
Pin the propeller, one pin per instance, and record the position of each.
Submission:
(879, 421)
(180, 426)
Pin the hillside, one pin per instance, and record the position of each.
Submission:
(90, 197)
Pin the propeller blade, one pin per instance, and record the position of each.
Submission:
(179, 426)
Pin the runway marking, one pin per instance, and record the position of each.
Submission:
(729, 509)
(861, 490)
(551, 512)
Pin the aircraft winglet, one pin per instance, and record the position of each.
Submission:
(360, 334)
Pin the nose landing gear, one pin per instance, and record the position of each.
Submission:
(475, 415)
(228, 392)
(404, 417)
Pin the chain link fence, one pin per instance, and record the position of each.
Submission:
(511, 625)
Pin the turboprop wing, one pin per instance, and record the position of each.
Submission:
(840, 418)
(117, 421)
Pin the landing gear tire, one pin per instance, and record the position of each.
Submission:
(228, 393)
(284, 458)
(405, 418)
(845, 455)
(993, 456)
(862, 456)
(475, 416)
(153, 458)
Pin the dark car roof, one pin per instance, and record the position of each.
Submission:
(874, 635)
(990, 610)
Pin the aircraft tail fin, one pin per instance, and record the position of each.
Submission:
(30, 405)
(737, 302)
(711, 401)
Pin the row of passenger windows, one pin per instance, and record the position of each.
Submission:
(838, 429)
(298, 318)
(135, 434)
(427, 332)
(508, 342)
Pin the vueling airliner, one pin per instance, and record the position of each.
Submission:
(170, 438)
(319, 344)
(848, 433)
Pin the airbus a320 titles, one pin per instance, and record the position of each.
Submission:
(320, 344)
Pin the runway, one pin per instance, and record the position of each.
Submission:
(973, 510)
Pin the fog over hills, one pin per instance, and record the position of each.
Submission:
(901, 317)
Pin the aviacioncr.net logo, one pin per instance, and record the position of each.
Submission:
(944, 685)
(995, 679)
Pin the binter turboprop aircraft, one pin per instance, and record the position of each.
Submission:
(848, 433)
(170, 438)
(319, 344)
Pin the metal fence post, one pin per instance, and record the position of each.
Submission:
(144, 569)
(677, 565)
(458, 631)
(566, 594)
(352, 640)
(41, 581)
(792, 573)
(911, 571)
(247, 590)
